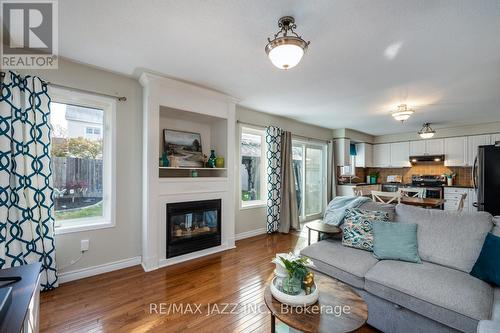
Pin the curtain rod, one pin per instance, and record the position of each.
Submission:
(295, 135)
(119, 98)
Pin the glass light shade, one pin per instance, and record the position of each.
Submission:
(402, 115)
(286, 56)
(426, 135)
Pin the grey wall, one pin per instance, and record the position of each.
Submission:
(124, 240)
(250, 219)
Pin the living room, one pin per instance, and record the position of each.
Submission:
(238, 165)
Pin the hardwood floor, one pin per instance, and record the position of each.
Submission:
(121, 301)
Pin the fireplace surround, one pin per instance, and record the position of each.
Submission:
(193, 226)
(182, 106)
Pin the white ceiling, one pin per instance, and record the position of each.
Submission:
(365, 57)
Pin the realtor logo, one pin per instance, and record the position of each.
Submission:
(29, 34)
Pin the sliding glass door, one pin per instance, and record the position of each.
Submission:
(309, 165)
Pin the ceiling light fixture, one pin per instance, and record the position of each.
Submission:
(426, 132)
(402, 113)
(286, 51)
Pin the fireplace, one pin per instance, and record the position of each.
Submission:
(193, 226)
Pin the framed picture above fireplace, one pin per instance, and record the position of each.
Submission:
(185, 147)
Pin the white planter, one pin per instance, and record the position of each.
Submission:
(294, 300)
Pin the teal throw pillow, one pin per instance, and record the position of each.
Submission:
(487, 266)
(395, 241)
(357, 227)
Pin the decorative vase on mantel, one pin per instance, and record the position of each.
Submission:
(212, 159)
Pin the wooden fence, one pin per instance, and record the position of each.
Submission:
(80, 174)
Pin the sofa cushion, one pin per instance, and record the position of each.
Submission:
(446, 295)
(357, 230)
(487, 266)
(344, 263)
(397, 241)
(380, 207)
(449, 238)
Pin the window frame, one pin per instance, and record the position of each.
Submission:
(305, 143)
(108, 105)
(261, 131)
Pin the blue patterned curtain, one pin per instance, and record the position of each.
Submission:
(273, 141)
(26, 192)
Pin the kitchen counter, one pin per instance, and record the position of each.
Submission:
(460, 186)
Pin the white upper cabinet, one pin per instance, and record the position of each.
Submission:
(342, 152)
(417, 148)
(455, 151)
(400, 153)
(434, 147)
(382, 155)
(495, 137)
(427, 147)
(473, 142)
(364, 153)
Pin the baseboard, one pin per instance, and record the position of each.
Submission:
(99, 269)
(250, 233)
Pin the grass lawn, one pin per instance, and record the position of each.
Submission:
(84, 212)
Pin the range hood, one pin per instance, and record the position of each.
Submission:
(427, 158)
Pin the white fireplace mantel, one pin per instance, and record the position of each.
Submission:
(161, 92)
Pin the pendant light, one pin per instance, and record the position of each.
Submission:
(286, 51)
(402, 113)
(426, 132)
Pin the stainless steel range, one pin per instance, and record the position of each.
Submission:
(433, 184)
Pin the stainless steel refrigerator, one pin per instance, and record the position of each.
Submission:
(486, 177)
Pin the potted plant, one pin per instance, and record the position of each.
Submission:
(292, 271)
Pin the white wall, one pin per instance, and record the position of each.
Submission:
(251, 219)
(124, 240)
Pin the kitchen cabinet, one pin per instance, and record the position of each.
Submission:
(452, 197)
(342, 152)
(400, 153)
(382, 155)
(495, 137)
(434, 146)
(472, 200)
(364, 155)
(417, 148)
(472, 143)
(427, 147)
(345, 190)
(455, 151)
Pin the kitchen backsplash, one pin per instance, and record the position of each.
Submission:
(462, 178)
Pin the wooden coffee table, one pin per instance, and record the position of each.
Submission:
(321, 228)
(339, 309)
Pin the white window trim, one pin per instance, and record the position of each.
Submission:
(263, 181)
(59, 95)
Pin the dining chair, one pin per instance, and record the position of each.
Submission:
(386, 197)
(412, 192)
(357, 192)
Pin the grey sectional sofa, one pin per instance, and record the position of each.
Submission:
(438, 295)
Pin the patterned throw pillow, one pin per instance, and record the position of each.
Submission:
(358, 229)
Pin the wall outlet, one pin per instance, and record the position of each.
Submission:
(84, 245)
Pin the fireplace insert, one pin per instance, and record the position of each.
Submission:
(193, 226)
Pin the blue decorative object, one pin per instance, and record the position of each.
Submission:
(164, 159)
(395, 241)
(212, 159)
(273, 154)
(26, 192)
(352, 150)
(487, 266)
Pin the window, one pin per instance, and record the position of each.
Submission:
(252, 167)
(309, 166)
(82, 161)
